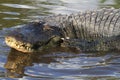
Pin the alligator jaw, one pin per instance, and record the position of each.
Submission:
(24, 47)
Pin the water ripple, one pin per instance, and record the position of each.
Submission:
(10, 18)
(19, 6)
(11, 13)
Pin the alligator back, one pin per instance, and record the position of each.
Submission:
(91, 30)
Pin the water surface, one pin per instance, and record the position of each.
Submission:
(53, 65)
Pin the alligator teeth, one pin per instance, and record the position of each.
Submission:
(12, 44)
(27, 47)
(18, 46)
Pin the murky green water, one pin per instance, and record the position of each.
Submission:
(53, 65)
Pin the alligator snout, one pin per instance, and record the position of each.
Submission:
(18, 44)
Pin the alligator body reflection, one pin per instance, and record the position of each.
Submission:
(17, 60)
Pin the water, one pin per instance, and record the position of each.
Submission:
(53, 65)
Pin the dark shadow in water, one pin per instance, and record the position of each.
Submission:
(17, 61)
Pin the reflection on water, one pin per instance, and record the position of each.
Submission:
(17, 61)
(18, 6)
(54, 65)
(62, 64)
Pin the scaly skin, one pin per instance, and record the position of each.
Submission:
(90, 31)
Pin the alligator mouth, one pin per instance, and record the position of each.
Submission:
(18, 45)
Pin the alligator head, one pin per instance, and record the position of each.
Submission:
(33, 37)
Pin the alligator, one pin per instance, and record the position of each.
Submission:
(96, 30)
